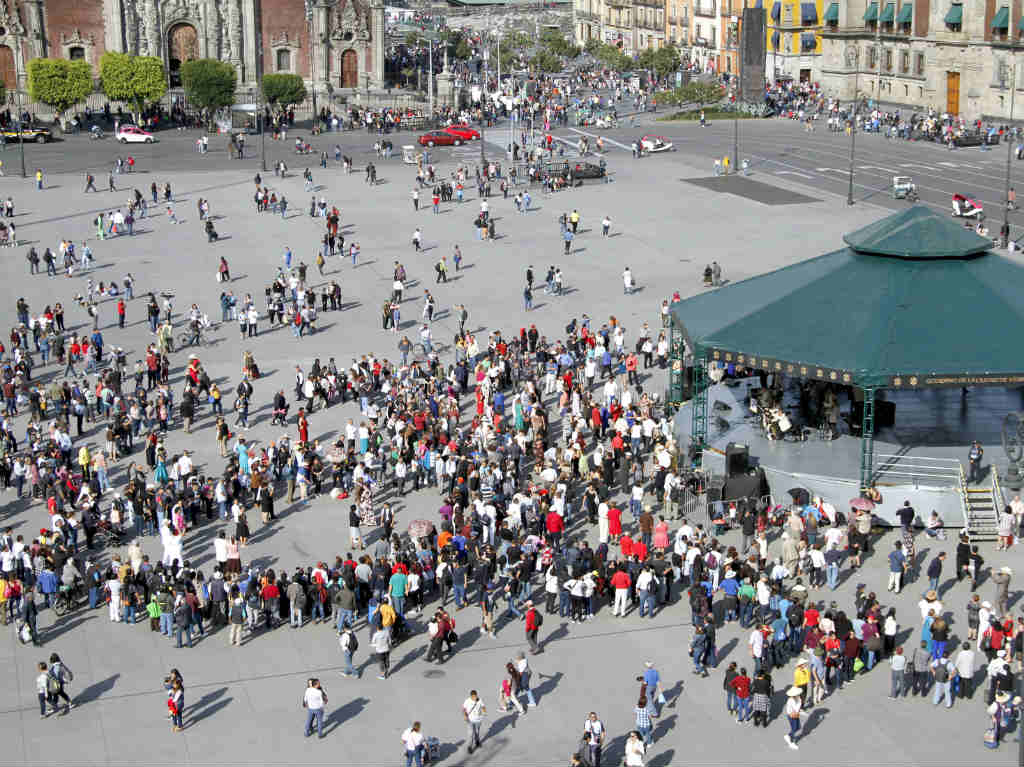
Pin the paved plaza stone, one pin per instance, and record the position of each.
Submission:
(243, 704)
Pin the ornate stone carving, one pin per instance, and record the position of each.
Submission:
(9, 20)
(851, 56)
(350, 19)
(76, 38)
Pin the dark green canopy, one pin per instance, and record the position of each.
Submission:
(915, 301)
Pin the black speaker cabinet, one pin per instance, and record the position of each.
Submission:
(737, 459)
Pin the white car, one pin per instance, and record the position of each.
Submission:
(132, 134)
(653, 143)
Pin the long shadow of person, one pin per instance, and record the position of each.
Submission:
(344, 713)
(96, 690)
(816, 717)
(549, 685)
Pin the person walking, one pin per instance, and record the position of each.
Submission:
(381, 643)
(176, 705)
(534, 620)
(349, 643)
(60, 675)
(473, 713)
(593, 734)
(413, 741)
(898, 664)
(793, 713)
(43, 684)
(314, 701)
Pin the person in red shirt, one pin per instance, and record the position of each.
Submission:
(626, 545)
(741, 686)
(621, 583)
(533, 620)
(555, 525)
(120, 312)
(271, 593)
(811, 617)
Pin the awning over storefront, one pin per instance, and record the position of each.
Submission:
(871, 14)
(888, 13)
(906, 14)
(955, 15)
(1002, 19)
(832, 14)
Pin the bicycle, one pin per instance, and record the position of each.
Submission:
(67, 600)
(186, 339)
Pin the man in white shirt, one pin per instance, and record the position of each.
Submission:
(314, 701)
(473, 711)
(413, 740)
(220, 551)
(962, 682)
(594, 729)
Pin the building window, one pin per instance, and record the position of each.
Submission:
(888, 61)
(787, 14)
(284, 60)
(77, 53)
(919, 65)
(872, 57)
(905, 62)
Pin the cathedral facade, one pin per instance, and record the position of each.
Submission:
(332, 45)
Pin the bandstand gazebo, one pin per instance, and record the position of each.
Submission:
(913, 301)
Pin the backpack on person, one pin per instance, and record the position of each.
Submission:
(353, 642)
(538, 618)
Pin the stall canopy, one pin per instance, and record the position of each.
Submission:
(832, 14)
(955, 14)
(915, 300)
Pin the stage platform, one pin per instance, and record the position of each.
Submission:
(918, 458)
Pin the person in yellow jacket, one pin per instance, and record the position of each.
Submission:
(387, 615)
(802, 678)
(85, 461)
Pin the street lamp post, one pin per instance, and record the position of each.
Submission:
(853, 123)
(1009, 152)
(21, 133)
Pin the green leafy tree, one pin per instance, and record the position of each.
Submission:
(283, 90)
(209, 84)
(613, 58)
(59, 83)
(702, 93)
(135, 80)
(462, 49)
(666, 60)
(412, 39)
(593, 46)
(545, 61)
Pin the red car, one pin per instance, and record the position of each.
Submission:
(439, 138)
(464, 132)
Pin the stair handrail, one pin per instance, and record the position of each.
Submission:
(998, 502)
(963, 498)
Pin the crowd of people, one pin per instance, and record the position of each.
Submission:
(560, 491)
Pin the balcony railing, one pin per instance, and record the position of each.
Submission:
(704, 9)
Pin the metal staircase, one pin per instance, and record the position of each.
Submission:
(981, 506)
